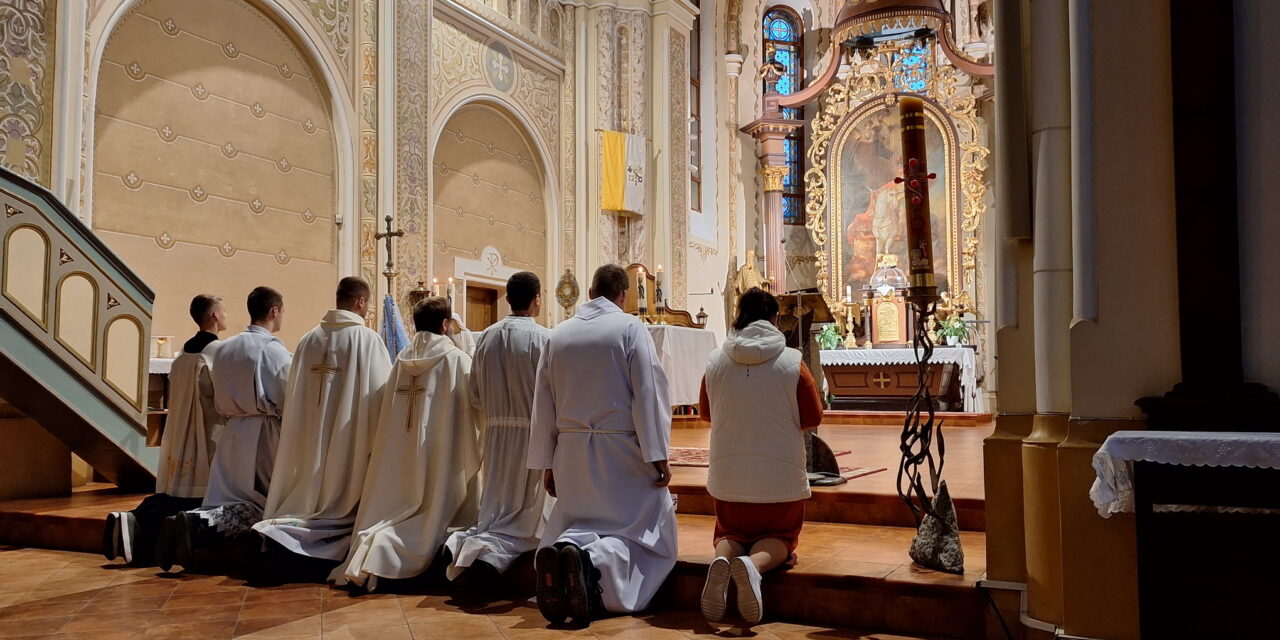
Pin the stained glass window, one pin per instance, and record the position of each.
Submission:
(782, 35)
(911, 68)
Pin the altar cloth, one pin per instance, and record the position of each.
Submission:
(962, 356)
(683, 353)
(1112, 491)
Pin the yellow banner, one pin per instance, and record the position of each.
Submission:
(613, 170)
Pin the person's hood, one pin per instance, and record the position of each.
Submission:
(597, 307)
(338, 318)
(424, 352)
(758, 342)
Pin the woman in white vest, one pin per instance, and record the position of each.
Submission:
(760, 398)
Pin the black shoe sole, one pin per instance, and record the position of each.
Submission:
(183, 548)
(111, 537)
(551, 596)
(165, 543)
(574, 572)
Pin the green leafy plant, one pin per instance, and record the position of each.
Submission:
(829, 337)
(955, 327)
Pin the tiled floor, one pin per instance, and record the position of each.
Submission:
(59, 594)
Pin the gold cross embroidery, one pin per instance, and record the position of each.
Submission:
(324, 370)
(412, 390)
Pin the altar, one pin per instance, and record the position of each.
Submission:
(683, 353)
(885, 379)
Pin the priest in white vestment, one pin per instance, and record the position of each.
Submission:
(513, 501)
(423, 475)
(186, 447)
(601, 425)
(249, 373)
(462, 336)
(326, 433)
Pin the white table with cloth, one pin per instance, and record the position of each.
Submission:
(683, 353)
(1112, 491)
(974, 401)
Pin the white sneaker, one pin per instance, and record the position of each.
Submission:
(715, 592)
(747, 580)
(128, 529)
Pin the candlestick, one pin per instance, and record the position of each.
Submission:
(435, 286)
(449, 292)
(915, 180)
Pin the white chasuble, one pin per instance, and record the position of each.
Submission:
(423, 476)
(190, 429)
(250, 372)
(601, 416)
(513, 502)
(326, 433)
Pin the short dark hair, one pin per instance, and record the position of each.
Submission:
(261, 301)
(430, 314)
(754, 305)
(522, 288)
(609, 281)
(351, 289)
(202, 307)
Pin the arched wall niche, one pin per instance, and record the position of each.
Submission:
(491, 195)
(259, 190)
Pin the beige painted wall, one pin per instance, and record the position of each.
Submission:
(214, 161)
(33, 463)
(489, 192)
(1257, 129)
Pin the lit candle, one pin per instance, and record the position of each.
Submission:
(435, 286)
(848, 292)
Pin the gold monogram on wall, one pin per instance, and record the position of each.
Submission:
(855, 211)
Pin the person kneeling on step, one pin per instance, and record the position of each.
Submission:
(760, 398)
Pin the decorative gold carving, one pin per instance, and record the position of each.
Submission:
(9, 211)
(773, 177)
(63, 257)
(567, 291)
(112, 302)
(872, 86)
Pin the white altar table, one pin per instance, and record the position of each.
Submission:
(965, 358)
(1112, 491)
(683, 353)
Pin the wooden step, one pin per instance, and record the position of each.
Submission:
(847, 575)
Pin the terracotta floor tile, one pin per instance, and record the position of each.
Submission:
(30, 610)
(204, 599)
(295, 608)
(285, 594)
(32, 626)
(134, 603)
(471, 628)
(113, 621)
(196, 631)
(355, 632)
(192, 615)
(335, 620)
(100, 634)
(274, 627)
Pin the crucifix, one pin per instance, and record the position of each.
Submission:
(412, 390)
(390, 272)
(324, 370)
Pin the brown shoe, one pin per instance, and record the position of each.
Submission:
(552, 601)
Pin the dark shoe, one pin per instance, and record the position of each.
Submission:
(167, 542)
(552, 601)
(581, 584)
(188, 526)
(476, 583)
(111, 536)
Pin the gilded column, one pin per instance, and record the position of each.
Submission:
(770, 133)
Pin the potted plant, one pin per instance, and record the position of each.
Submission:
(829, 338)
(955, 330)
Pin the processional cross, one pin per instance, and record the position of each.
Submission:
(324, 370)
(412, 390)
(390, 272)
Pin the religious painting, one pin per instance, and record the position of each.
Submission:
(871, 213)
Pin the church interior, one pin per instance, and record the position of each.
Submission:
(1038, 315)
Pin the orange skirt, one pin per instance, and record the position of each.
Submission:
(748, 523)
